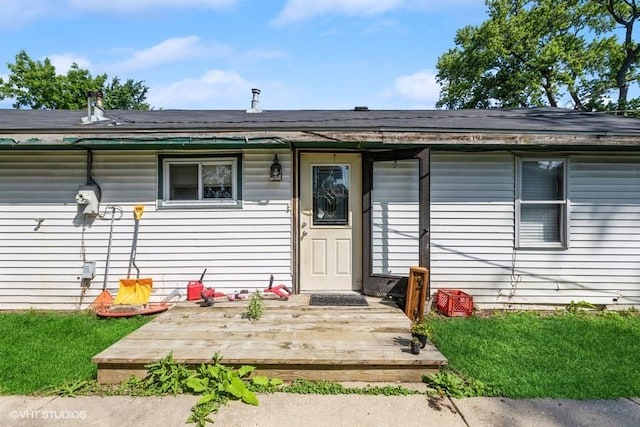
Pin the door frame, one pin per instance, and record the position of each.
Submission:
(297, 217)
(382, 284)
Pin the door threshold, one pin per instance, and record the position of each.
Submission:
(325, 291)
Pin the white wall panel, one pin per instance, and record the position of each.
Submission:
(41, 266)
(472, 226)
(395, 217)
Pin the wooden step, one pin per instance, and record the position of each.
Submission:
(292, 340)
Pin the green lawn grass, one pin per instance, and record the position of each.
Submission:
(523, 355)
(40, 349)
(526, 355)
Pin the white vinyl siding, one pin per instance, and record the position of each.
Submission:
(44, 238)
(41, 266)
(602, 266)
(395, 221)
(473, 239)
(472, 222)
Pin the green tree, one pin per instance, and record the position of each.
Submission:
(73, 88)
(624, 60)
(532, 53)
(130, 95)
(40, 79)
(35, 84)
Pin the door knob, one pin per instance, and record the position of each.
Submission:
(304, 233)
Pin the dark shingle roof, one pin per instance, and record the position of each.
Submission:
(540, 120)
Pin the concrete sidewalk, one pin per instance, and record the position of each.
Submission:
(284, 410)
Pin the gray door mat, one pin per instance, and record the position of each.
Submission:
(337, 299)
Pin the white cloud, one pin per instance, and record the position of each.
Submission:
(440, 5)
(421, 88)
(137, 5)
(16, 13)
(173, 50)
(63, 62)
(216, 89)
(219, 90)
(300, 10)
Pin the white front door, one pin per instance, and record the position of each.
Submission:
(330, 215)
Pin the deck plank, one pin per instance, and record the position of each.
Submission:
(291, 340)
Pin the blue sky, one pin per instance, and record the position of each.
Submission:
(208, 54)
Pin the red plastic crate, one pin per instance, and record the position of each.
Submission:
(452, 302)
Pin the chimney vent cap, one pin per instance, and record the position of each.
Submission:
(255, 101)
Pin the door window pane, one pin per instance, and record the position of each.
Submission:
(330, 195)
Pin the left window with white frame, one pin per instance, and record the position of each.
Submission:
(200, 181)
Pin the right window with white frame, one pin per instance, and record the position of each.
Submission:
(541, 203)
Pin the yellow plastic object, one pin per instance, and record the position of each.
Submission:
(134, 291)
(138, 211)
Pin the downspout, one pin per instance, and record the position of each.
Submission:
(90, 180)
(86, 281)
(295, 217)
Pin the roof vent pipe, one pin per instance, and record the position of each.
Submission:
(99, 108)
(95, 110)
(89, 105)
(255, 102)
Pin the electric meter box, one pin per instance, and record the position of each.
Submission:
(88, 198)
(89, 270)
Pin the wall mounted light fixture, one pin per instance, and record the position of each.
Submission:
(275, 173)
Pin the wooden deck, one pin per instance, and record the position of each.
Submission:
(292, 340)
